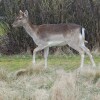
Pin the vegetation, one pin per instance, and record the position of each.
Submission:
(20, 80)
(3, 28)
(53, 83)
(83, 12)
(68, 62)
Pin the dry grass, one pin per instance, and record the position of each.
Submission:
(41, 94)
(3, 74)
(64, 86)
(31, 69)
(50, 84)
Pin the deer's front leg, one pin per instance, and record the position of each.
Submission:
(46, 52)
(39, 48)
(34, 53)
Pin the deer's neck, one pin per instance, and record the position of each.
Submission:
(31, 30)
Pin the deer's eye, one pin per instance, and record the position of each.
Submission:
(19, 18)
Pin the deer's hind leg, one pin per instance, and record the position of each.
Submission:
(87, 51)
(80, 51)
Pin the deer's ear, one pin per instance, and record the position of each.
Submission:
(20, 12)
(26, 13)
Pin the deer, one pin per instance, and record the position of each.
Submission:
(49, 35)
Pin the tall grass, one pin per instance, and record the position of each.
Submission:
(50, 84)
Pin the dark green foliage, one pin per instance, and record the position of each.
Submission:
(83, 12)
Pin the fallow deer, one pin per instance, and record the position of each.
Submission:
(49, 35)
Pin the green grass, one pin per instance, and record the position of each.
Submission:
(66, 61)
(58, 80)
(14, 62)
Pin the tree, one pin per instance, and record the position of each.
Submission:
(83, 12)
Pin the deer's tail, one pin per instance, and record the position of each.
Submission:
(83, 34)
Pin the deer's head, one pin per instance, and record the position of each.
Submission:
(21, 19)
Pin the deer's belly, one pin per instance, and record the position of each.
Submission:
(56, 43)
(56, 40)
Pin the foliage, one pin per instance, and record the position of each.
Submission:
(83, 12)
(3, 28)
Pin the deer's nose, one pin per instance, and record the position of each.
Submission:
(13, 25)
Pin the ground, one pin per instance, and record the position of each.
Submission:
(62, 80)
(67, 62)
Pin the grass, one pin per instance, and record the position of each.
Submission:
(50, 84)
(16, 62)
(62, 80)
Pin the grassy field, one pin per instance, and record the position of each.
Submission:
(22, 61)
(62, 80)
